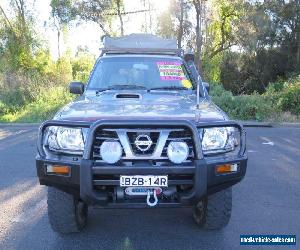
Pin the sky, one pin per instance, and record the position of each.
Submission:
(87, 34)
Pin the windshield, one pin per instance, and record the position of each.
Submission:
(140, 72)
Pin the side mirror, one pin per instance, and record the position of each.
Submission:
(189, 57)
(206, 85)
(76, 88)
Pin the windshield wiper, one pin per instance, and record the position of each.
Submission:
(120, 86)
(127, 86)
(170, 88)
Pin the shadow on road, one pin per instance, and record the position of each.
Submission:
(129, 229)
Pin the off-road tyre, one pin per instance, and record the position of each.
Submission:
(66, 213)
(214, 212)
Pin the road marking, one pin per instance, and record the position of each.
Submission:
(251, 151)
(4, 134)
(268, 143)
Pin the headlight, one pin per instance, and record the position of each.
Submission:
(218, 140)
(64, 139)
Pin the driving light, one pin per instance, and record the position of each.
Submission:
(177, 151)
(64, 139)
(111, 151)
(217, 140)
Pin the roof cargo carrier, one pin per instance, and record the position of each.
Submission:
(140, 44)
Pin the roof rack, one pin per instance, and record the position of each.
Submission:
(140, 44)
(151, 51)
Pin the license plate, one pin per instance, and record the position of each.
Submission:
(143, 181)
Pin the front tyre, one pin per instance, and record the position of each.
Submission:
(66, 213)
(214, 212)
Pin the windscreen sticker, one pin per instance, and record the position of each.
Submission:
(170, 71)
(186, 83)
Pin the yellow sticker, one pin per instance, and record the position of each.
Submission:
(186, 83)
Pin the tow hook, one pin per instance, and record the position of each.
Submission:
(149, 203)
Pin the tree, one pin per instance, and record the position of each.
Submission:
(198, 5)
(62, 13)
(286, 17)
(268, 34)
(224, 30)
(119, 5)
(66, 11)
(175, 22)
(101, 12)
(18, 36)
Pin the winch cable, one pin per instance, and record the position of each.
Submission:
(154, 203)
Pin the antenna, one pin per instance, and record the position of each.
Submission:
(199, 82)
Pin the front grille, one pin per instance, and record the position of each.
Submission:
(132, 136)
(160, 138)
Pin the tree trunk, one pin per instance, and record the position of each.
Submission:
(298, 50)
(180, 28)
(106, 33)
(145, 25)
(150, 16)
(298, 35)
(120, 17)
(58, 42)
(198, 7)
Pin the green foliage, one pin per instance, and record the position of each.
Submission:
(212, 68)
(17, 37)
(35, 95)
(244, 107)
(247, 73)
(3, 109)
(285, 95)
(63, 10)
(48, 102)
(82, 66)
(64, 69)
(290, 100)
(279, 98)
(43, 62)
(86, 10)
(265, 35)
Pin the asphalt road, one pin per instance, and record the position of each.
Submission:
(267, 201)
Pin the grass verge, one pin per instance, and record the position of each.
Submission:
(43, 108)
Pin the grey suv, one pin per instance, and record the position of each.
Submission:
(142, 133)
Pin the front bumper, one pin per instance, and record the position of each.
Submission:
(81, 182)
